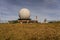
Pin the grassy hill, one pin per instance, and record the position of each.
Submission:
(49, 31)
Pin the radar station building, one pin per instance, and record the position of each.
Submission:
(24, 16)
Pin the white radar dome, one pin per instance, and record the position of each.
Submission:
(24, 13)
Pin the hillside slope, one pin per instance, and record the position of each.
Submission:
(50, 31)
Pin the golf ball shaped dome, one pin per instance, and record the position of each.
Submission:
(24, 13)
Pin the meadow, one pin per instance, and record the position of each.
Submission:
(44, 31)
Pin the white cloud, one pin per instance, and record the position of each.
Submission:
(10, 10)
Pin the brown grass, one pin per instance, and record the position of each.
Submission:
(50, 31)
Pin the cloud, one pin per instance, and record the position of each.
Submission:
(49, 9)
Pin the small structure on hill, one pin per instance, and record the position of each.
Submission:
(24, 16)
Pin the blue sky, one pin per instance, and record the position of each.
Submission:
(49, 9)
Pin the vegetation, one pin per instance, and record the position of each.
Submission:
(14, 21)
(45, 31)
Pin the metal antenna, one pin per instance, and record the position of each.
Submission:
(45, 20)
(36, 18)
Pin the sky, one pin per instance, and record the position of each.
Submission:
(49, 9)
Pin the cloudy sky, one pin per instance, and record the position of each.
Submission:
(49, 9)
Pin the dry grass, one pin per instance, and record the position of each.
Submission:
(50, 31)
